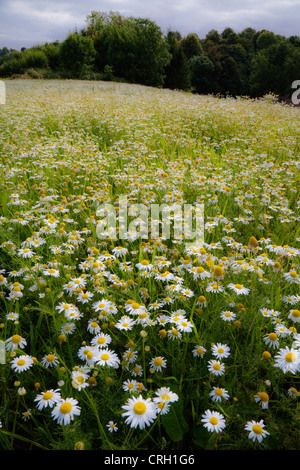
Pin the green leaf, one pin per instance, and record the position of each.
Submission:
(174, 422)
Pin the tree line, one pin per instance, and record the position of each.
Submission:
(135, 50)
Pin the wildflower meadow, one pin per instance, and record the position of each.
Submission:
(168, 329)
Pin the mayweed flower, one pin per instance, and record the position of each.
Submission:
(288, 360)
(47, 399)
(108, 358)
(199, 351)
(239, 289)
(216, 367)
(220, 351)
(257, 431)
(217, 394)
(112, 427)
(15, 342)
(65, 410)
(263, 398)
(22, 363)
(158, 363)
(139, 412)
(213, 421)
(50, 360)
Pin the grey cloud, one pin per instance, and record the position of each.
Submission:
(29, 22)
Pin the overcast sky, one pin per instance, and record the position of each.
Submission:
(25, 23)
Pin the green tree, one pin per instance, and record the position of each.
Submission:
(274, 68)
(76, 55)
(202, 74)
(191, 45)
(134, 47)
(176, 72)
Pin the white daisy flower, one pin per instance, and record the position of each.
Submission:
(108, 357)
(257, 431)
(227, 315)
(101, 340)
(271, 339)
(158, 363)
(130, 385)
(220, 351)
(294, 315)
(15, 342)
(65, 410)
(112, 427)
(50, 360)
(139, 412)
(216, 367)
(166, 395)
(239, 289)
(199, 351)
(215, 288)
(217, 394)
(263, 398)
(288, 360)
(93, 327)
(213, 421)
(21, 363)
(47, 399)
(292, 276)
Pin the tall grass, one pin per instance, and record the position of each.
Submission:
(67, 147)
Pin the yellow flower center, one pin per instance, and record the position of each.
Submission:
(257, 429)
(218, 392)
(16, 339)
(290, 357)
(101, 340)
(94, 324)
(296, 313)
(139, 408)
(264, 396)
(47, 396)
(65, 408)
(218, 271)
(89, 355)
(293, 274)
(21, 362)
(166, 397)
(273, 336)
(238, 286)
(135, 305)
(221, 350)
(216, 366)
(105, 357)
(145, 262)
(50, 358)
(213, 420)
(158, 361)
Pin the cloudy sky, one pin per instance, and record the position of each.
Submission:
(24, 23)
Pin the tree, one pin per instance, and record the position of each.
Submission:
(191, 45)
(134, 47)
(202, 74)
(76, 55)
(274, 68)
(176, 72)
